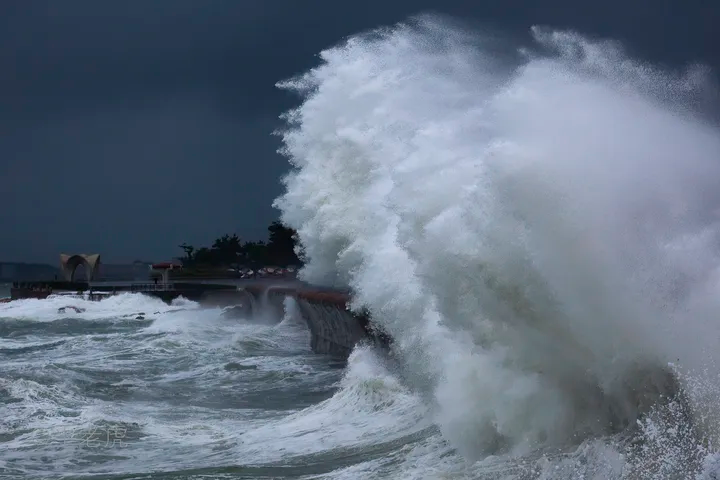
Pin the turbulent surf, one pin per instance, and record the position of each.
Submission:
(536, 228)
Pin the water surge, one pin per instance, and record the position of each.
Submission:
(537, 230)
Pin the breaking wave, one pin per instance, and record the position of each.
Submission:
(538, 230)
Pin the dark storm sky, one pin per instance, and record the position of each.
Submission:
(129, 127)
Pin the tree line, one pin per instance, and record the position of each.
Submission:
(231, 251)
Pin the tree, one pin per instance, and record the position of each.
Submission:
(229, 250)
(256, 255)
(188, 258)
(281, 245)
(204, 256)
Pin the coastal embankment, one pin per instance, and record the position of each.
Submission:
(334, 328)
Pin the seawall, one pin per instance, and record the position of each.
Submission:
(334, 329)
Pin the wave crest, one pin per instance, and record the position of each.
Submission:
(540, 238)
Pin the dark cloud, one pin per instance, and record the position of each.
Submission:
(129, 127)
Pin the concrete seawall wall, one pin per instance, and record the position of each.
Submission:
(333, 328)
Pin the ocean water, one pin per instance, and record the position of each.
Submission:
(134, 388)
(536, 228)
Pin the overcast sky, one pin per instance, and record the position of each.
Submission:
(129, 127)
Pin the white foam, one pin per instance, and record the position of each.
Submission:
(370, 407)
(536, 237)
(114, 306)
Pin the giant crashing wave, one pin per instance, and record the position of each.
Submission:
(537, 231)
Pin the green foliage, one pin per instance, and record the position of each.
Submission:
(230, 251)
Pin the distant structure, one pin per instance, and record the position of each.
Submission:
(162, 271)
(70, 263)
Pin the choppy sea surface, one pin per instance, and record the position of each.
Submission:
(536, 226)
(130, 387)
(133, 388)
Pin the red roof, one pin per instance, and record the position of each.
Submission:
(164, 265)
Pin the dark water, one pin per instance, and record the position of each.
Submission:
(540, 239)
(132, 388)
